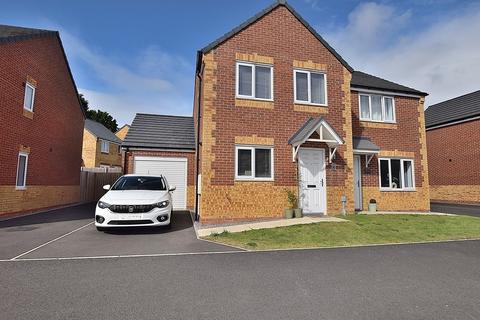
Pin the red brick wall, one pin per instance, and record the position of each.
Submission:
(267, 37)
(405, 137)
(54, 135)
(155, 153)
(454, 154)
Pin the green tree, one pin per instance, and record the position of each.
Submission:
(100, 116)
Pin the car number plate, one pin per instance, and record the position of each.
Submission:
(130, 217)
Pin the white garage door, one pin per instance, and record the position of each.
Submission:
(174, 169)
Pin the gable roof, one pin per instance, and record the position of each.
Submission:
(367, 81)
(257, 17)
(100, 131)
(161, 132)
(309, 127)
(13, 33)
(456, 109)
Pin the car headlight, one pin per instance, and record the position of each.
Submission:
(162, 204)
(103, 205)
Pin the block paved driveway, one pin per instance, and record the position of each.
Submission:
(70, 232)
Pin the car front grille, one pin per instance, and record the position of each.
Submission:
(129, 222)
(137, 208)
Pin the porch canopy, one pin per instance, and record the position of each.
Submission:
(365, 146)
(326, 134)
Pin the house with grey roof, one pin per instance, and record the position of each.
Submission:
(277, 109)
(163, 144)
(101, 147)
(42, 122)
(453, 140)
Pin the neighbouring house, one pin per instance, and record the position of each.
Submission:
(453, 140)
(122, 132)
(101, 147)
(277, 108)
(42, 122)
(160, 144)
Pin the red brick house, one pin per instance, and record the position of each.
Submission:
(160, 144)
(453, 140)
(42, 122)
(277, 108)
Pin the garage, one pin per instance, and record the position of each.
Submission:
(164, 144)
(173, 169)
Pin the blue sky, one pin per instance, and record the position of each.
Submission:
(139, 56)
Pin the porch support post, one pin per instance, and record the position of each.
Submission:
(368, 158)
(331, 153)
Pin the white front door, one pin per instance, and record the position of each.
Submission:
(312, 180)
(357, 182)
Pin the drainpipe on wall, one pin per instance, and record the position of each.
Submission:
(197, 148)
(125, 169)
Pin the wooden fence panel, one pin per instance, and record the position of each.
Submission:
(91, 184)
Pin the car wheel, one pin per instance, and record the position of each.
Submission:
(101, 229)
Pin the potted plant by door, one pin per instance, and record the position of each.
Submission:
(292, 199)
(372, 206)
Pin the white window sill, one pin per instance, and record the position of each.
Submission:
(378, 121)
(253, 98)
(397, 190)
(29, 110)
(20, 188)
(253, 179)
(310, 103)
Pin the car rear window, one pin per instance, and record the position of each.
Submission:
(140, 183)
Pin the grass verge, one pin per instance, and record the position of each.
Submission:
(359, 230)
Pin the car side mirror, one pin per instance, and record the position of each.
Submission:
(172, 188)
(106, 187)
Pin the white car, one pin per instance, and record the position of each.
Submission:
(134, 201)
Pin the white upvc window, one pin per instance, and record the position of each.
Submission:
(396, 174)
(376, 108)
(254, 163)
(29, 97)
(310, 87)
(254, 81)
(22, 164)
(105, 146)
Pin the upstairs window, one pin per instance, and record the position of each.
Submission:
(105, 146)
(377, 108)
(396, 174)
(310, 87)
(254, 81)
(254, 163)
(21, 170)
(29, 97)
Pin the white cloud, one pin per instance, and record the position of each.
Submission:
(442, 59)
(153, 81)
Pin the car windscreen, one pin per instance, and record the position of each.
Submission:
(140, 183)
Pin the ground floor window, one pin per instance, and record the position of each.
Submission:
(253, 163)
(22, 170)
(396, 174)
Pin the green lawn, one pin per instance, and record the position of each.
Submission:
(360, 229)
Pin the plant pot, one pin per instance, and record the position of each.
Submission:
(289, 213)
(372, 207)
(298, 212)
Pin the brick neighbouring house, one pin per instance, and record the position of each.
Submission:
(101, 147)
(256, 134)
(42, 122)
(160, 144)
(453, 140)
